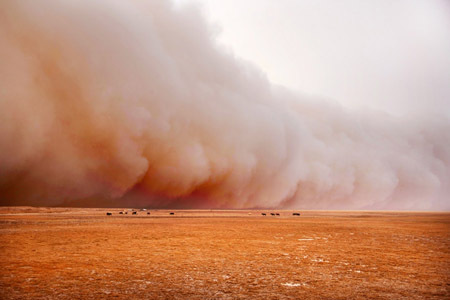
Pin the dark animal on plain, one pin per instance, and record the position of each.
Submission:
(126, 213)
(277, 214)
(263, 214)
(272, 214)
(120, 212)
(296, 214)
(148, 213)
(172, 213)
(109, 214)
(134, 213)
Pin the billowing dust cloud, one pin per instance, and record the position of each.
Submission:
(134, 103)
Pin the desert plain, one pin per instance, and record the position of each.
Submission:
(74, 253)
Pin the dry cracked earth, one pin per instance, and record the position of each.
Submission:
(71, 253)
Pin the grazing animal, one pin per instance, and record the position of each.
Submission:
(272, 214)
(296, 214)
(126, 213)
(172, 213)
(263, 214)
(120, 212)
(277, 214)
(109, 214)
(134, 212)
(148, 213)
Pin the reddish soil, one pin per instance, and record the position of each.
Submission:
(64, 253)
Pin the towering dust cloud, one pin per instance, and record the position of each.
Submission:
(133, 102)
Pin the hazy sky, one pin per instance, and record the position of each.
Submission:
(133, 103)
(389, 55)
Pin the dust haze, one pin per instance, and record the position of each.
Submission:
(134, 102)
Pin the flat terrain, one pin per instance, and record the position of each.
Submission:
(61, 253)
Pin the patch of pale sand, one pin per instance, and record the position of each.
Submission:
(291, 284)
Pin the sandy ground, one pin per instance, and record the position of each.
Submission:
(64, 253)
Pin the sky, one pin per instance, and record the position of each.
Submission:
(386, 55)
(225, 104)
